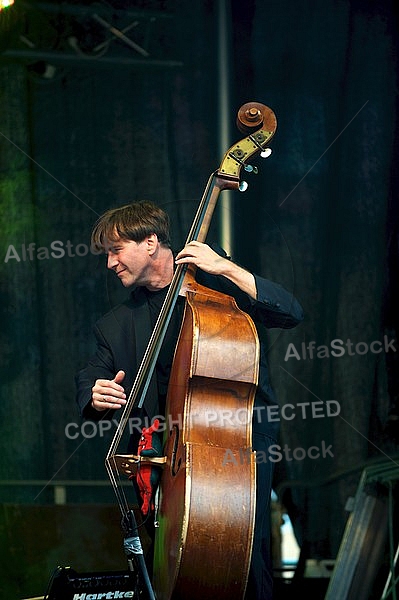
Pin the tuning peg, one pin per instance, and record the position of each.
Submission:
(243, 186)
(251, 169)
(266, 153)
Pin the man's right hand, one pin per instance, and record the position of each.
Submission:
(108, 393)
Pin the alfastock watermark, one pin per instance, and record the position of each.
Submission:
(277, 453)
(338, 348)
(57, 249)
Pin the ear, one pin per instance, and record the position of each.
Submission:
(152, 243)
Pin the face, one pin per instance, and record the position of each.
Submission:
(131, 261)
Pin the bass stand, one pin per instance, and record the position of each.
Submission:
(128, 464)
(134, 552)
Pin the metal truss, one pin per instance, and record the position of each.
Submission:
(92, 34)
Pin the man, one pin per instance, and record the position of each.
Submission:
(136, 240)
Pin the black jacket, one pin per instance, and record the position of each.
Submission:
(123, 333)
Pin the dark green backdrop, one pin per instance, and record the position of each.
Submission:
(321, 218)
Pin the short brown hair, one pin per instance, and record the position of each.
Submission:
(134, 222)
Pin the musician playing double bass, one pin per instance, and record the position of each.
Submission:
(136, 240)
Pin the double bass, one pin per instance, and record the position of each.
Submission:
(205, 502)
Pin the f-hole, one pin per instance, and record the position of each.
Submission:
(175, 463)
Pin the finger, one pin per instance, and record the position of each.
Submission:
(119, 377)
(111, 402)
(181, 254)
(108, 395)
(189, 250)
(104, 401)
(185, 256)
(108, 386)
(111, 394)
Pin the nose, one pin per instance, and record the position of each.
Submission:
(112, 261)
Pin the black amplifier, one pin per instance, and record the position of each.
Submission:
(67, 584)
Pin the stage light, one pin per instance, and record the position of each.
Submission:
(5, 4)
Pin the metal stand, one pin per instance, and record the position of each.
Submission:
(134, 551)
(365, 538)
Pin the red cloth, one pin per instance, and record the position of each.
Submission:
(148, 476)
